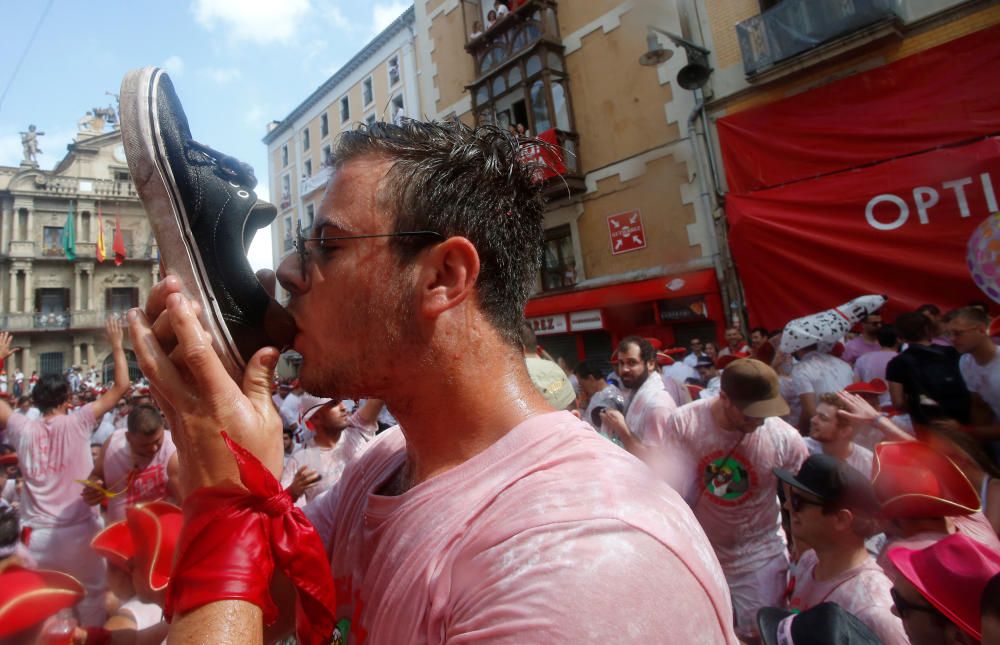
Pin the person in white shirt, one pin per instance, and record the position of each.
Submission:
(814, 375)
(833, 435)
(291, 405)
(279, 396)
(501, 9)
(980, 362)
(697, 352)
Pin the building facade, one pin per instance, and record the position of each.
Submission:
(56, 307)
(856, 149)
(630, 245)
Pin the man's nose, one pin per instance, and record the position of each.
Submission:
(289, 275)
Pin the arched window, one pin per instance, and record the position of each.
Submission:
(560, 106)
(540, 107)
(498, 85)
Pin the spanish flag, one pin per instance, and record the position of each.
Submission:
(101, 254)
(118, 245)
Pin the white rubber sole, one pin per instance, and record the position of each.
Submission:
(154, 181)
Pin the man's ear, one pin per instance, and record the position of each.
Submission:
(447, 276)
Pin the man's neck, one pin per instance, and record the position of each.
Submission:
(836, 559)
(869, 338)
(489, 393)
(984, 352)
(841, 448)
(324, 439)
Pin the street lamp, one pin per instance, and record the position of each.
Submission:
(692, 76)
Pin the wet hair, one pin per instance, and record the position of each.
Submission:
(646, 350)
(886, 336)
(588, 369)
(913, 327)
(144, 419)
(51, 391)
(455, 180)
(527, 338)
(973, 315)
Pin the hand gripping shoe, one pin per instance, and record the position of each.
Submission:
(204, 213)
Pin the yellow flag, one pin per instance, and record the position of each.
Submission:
(100, 235)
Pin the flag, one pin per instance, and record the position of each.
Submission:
(118, 246)
(101, 253)
(69, 235)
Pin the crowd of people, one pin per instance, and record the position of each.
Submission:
(817, 485)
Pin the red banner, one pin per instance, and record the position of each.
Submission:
(937, 97)
(546, 161)
(900, 228)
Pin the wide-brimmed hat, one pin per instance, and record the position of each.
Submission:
(827, 327)
(663, 358)
(753, 387)
(10, 459)
(951, 574)
(911, 480)
(147, 537)
(826, 623)
(30, 596)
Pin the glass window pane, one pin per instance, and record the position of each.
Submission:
(482, 95)
(555, 62)
(540, 107)
(559, 106)
(498, 85)
(514, 77)
(534, 65)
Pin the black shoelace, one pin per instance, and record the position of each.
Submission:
(232, 167)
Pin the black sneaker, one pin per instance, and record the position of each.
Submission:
(204, 214)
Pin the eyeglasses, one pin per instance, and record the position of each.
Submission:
(302, 242)
(797, 502)
(904, 606)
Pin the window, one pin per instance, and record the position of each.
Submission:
(121, 299)
(288, 234)
(367, 94)
(286, 191)
(305, 139)
(284, 155)
(396, 109)
(327, 155)
(393, 70)
(324, 126)
(370, 120)
(307, 168)
(559, 265)
(310, 216)
(52, 243)
(345, 109)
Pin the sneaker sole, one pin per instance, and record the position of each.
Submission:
(154, 181)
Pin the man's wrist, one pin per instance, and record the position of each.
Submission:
(876, 421)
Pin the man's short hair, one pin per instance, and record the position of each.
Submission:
(912, 327)
(455, 180)
(886, 336)
(589, 369)
(527, 337)
(646, 350)
(973, 315)
(831, 398)
(929, 309)
(759, 330)
(51, 391)
(144, 419)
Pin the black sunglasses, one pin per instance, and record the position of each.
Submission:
(797, 502)
(302, 240)
(903, 606)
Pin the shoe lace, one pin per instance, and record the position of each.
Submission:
(230, 166)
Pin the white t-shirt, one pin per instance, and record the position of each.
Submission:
(550, 535)
(860, 459)
(290, 408)
(53, 453)
(983, 379)
(330, 462)
(649, 409)
(862, 591)
(819, 373)
(731, 487)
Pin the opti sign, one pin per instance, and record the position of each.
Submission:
(626, 232)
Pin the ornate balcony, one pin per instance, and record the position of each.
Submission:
(70, 186)
(317, 181)
(59, 320)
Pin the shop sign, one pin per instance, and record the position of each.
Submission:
(683, 309)
(586, 320)
(626, 231)
(545, 325)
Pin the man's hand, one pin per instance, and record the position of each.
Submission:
(197, 395)
(305, 478)
(114, 331)
(5, 348)
(91, 495)
(613, 423)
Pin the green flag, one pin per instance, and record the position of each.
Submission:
(69, 235)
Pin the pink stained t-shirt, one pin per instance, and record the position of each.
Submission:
(53, 453)
(145, 485)
(550, 535)
(862, 591)
(731, 487)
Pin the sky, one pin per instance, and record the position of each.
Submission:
(236, 65)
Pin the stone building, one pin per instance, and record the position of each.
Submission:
(56, 307)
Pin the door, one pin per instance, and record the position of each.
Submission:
(51, 363)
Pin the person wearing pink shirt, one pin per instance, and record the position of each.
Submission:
(864, 342)
(485, 515)
(649, 404)
(54, 454)
(719, 454)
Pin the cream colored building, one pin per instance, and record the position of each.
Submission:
(569, 71)
(55, 307)
(378, 84)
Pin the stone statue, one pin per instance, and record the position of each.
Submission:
(107, 114)
(29, 140)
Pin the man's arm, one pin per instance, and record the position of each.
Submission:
(93, 496)
(368, 414)
(982, 413)
(109, 399)
(174, 480)
(5, 352)
(898, 396)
